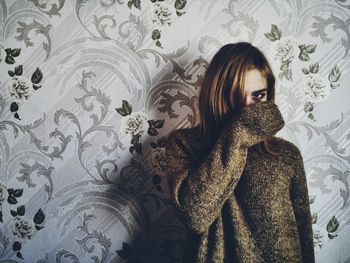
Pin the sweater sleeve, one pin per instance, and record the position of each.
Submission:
(199, 193)
(301, 206)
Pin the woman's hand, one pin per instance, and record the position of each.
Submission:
(256, 122)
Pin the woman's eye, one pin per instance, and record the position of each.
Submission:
(259, 95)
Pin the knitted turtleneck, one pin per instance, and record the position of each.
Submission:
(241, 205)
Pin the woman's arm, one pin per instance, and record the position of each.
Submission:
(200, 193)
(301, 206)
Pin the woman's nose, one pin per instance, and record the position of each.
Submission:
(249, 101)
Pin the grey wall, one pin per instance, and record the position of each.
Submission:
(80, 170)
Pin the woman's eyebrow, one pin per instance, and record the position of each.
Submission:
(260, 90)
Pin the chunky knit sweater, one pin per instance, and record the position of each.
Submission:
(240, 204)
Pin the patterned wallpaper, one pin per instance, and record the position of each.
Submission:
(89, 89)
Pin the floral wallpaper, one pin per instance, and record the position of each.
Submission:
(89, 90)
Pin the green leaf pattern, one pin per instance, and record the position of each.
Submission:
(314, 86)
(89, 93)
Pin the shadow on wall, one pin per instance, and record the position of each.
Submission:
(157, 232)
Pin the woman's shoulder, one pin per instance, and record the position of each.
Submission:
(293, 158)
(186, 135)
(290, 150)
(187, 141)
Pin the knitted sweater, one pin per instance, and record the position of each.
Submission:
(241, 205)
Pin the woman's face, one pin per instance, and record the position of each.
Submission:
(255, 87)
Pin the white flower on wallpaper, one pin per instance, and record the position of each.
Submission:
(22, 228)
(285, 49)
(134, 124)
(316, 87)
(162, 14)
(141, 25)
(20, 87)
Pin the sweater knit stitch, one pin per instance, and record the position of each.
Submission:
(239, 204)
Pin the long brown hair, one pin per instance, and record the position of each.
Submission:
(222, 89)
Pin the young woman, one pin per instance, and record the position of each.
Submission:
(240, 190)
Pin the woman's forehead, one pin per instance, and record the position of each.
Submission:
(254, 80)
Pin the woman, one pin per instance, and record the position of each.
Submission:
(241, 190)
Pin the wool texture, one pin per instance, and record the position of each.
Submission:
(239, 204)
